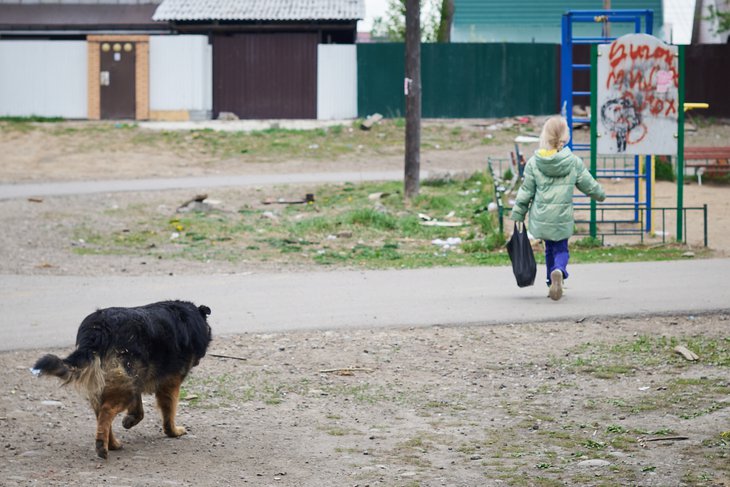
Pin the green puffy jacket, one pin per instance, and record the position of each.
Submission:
(548, 192)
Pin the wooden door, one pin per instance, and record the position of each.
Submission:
(117, 92)
(267, 75)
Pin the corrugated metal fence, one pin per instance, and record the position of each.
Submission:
(49, 78)
(43, 78)
(461, 80)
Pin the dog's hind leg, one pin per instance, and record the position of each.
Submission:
(167, 394)
(114, 444)
(135, 413)
(104, 438)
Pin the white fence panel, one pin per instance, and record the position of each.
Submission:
(336, 81)
(43, 78)
(181, 73)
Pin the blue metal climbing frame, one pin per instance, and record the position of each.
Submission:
(568, 70)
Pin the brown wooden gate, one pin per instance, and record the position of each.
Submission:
(117, 93)
(269, 75)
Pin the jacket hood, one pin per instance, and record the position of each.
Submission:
(557, 164)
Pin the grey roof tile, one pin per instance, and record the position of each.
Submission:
(282, 10)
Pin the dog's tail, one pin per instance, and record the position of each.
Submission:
(82, 369)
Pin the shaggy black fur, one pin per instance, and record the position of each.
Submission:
(124, 352)
(162, 335)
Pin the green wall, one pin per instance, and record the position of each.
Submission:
(461, 80)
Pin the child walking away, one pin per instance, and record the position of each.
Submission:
(547, 191)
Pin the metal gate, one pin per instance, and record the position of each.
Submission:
(117, 66)
(271, 75)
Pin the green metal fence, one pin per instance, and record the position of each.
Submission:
(461, 80)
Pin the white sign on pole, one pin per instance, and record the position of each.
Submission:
(638, 96)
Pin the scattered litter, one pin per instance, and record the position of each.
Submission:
(436, 223)
(686, 353)
(270, 215)
(665, 438)
(35, 372)
(346, 370)
(689, 255)
(174, 235)
(196, 203)
(57, 404)
(370, 121)
(447, 244)
(35, 200)
(527, 139)
(377, 196)
(331, 237)
(220, 355)
(314, 146)
(227, 116)
(308, 198)
(645, 388)
(492, 206)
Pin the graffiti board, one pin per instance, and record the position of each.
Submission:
(638, 102)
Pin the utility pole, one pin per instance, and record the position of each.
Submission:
(412, 88)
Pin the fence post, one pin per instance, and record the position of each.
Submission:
(680, 145)
(594, 130)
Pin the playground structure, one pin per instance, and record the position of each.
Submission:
(634, 116)
(615, 164)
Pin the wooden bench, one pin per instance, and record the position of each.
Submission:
(710, 161)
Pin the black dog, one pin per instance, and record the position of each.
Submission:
(124, 352)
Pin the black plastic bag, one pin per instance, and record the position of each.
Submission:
(523, 260)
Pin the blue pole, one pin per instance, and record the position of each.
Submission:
(650, 22)
(566, 73)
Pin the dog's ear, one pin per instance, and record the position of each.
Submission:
(204, 310)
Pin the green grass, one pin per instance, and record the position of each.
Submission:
(367, 225)
(270, 145)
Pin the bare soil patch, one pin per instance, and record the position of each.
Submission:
(599, 402)
(602, 402)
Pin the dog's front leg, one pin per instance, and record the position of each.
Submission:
(135, 413)
(167, 395)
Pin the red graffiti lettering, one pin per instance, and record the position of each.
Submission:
(616, 54)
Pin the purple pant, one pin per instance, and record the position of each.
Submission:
(556, 257)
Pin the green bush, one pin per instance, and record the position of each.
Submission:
(664, 171)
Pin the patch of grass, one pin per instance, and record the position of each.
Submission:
(366, 225)
(31, 119)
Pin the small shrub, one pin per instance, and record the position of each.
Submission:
(664, 171)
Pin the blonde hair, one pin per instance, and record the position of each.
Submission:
(555, 134)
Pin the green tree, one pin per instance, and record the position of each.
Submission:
(435, 24)
(723, 19)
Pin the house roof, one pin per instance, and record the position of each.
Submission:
(537, 20)
(78, 17)
(259, 10)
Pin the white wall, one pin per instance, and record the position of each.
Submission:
(181, 73)
(43, 78)
(336, 81)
